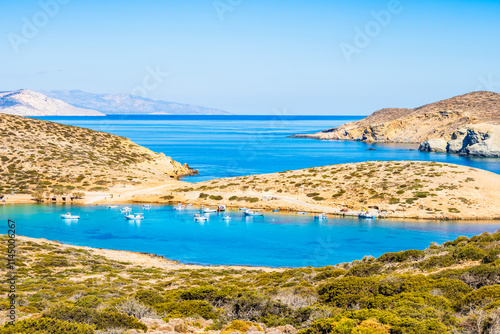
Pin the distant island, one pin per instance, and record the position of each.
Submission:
(110, 104)
(25, 102)
(468, 125)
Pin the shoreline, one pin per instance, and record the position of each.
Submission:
(150, 260)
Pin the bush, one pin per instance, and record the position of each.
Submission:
(101, 319)
(240, 327)
(365, 270)
(412, 254)
(346, 291)
(204, 196)
(88, 302)
(469, 252)
(46, 326)
(216, 198)
(187, 308)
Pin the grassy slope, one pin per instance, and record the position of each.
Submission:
(405, 189)
(449, 287)
(36, 154)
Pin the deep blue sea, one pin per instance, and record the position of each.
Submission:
(221, 146)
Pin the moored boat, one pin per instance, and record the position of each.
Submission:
(367, 215)
(146, 206)
(208, 210)
(200, 218)
(68, 215)
(221, 208)
(321, 216)
(137, 216)
(126, 210)
(252, 213)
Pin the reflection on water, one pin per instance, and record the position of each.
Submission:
(273, 240)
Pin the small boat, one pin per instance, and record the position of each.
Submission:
(137, 216)
(179, 207)
(69, 216)
(276, 210)
(321, 216)
(226, 218)
(367, 215)
(126, 210)
(302, 213)
(112, 206)
(208, 210)
(252, 213)
(221, 208)
(243, 209)
(146, 206)
(200, 218)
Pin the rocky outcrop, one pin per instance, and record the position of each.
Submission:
(433, 125)
(480, 140)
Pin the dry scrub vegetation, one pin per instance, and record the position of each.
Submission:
(404, 189)
(446, 288)
(42, 156)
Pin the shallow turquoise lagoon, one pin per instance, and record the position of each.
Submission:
(275, 240)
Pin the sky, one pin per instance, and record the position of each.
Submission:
(255, 56)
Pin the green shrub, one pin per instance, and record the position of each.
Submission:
(149, 297)
(469, 252)
(88, 301)
(102, 319)
(346, 291)
(216, 198)
(365, 270)
(204, 196)
(46, 326)
(187, 308)
(412, 254)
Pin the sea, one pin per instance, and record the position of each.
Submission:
(225, 146)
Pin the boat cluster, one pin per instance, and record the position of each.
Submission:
(125, 210)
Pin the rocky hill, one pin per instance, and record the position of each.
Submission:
(37, 154)
(440, 120)
(25, 102)
(129, 104)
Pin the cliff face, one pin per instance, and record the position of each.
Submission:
(433, 121)
(36, 153)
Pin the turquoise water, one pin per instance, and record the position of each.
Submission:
(273, 240)
(224, 146)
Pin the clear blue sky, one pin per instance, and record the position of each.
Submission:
(262, 56)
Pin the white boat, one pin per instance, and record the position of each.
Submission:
(252, 213)
(126, 210)
(226, 218)
(112, 206)
(321, 216)
(208, 210)
(221, 207)
(200, 218)
(137, 216)
(243, 209)
(302, 213)
(69, 216)
(367, 215)
(146, 206)
(179, 207)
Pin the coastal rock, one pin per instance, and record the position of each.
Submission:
(433, 145)
(444, 126)
(479, 140)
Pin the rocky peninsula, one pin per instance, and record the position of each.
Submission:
(467, 125)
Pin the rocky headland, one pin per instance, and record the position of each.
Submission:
(468, 125)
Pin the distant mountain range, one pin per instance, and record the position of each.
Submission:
(129, 104)
(25, 102)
